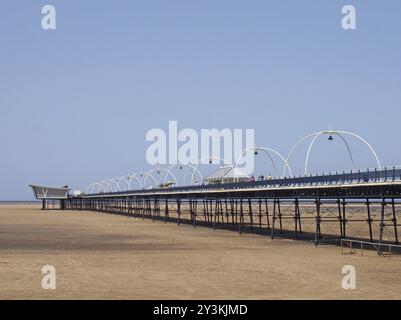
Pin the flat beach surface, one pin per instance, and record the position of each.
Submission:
(103, 256)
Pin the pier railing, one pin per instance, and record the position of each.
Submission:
(383, 249)
(353, 177)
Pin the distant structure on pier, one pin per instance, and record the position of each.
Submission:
(227, 174)
(50, 195)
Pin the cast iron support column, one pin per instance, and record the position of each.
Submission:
(394, 220)
(317, 233)
(250, 212)
(267, 214)
(166, 211)
(241, 217)
(204, 209)
(296, 216)
(382, 225)
(344, 220)
(227, 214)
(279, 216)
(214, 215)
(340, 219)
(273, 219)
(195, 210)
(179, 211)
(369, 220)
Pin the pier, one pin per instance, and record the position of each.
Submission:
(323, 208)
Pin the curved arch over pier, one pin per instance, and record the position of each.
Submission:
(338, 133)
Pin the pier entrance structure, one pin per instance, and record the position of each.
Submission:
(51, 196)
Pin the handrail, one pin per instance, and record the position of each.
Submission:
(359, 177)
(377, 245)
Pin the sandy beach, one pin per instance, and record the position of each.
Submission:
(103, 256)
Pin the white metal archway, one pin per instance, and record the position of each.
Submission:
(166, 173)
(95, 186)
(106, 185)
(268, 152)
(131, 178)
(331, 133)
(148, 174)
(191, 168)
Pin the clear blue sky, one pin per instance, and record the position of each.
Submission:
(76, 102)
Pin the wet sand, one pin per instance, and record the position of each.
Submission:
(103, 256)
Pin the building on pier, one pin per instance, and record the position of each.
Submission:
(50, 195)
(227, 174)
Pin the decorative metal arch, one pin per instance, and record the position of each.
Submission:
(194, 170)
(100, 187)
(189, 166)
(132, 177)
(118, 180)
(166, 173)
(106, 185)
(148, 174)
(90, 187)
(115, 182)
(267, 151)
(338, 133)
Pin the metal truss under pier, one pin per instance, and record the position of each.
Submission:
(320, 210)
